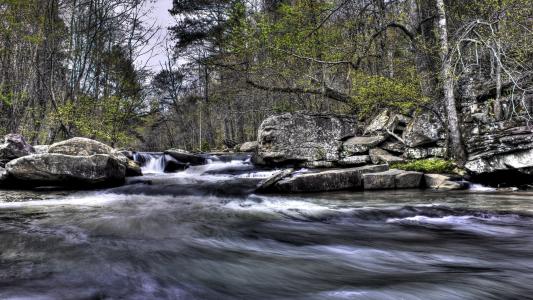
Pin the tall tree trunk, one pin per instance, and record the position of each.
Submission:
(454, 132)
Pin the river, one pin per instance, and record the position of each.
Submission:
(202, 234)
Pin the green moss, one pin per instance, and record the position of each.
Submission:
(431, 165)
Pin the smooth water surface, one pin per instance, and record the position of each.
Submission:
(199, 234)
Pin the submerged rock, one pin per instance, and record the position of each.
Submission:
(186, 157)
(66, 170)
(14, 146)
(330, 180)
(303, 137)
(79, 146)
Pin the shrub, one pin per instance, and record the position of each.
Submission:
(431, 165)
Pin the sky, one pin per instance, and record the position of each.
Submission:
(163, 19)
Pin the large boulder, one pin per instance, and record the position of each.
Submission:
(3, 175)
(302, 136)
(41, 149)
(67, 170)
(392, 179)
(422, 130)
(186, 157)
(14, 146)
(330, 180)
(79, 146)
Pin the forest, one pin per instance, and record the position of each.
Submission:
(71, 67)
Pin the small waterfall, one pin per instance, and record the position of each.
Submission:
(151, 162)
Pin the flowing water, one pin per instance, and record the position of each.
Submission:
(202, 234)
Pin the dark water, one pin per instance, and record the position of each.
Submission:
(204, 242)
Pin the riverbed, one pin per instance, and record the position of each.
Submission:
(202, 234)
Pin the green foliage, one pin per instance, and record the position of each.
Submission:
(371, 93)
(431, 165)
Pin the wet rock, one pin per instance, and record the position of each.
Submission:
(443, 182)
(330, 180)
(79, 146)
(303, 137)
(357, 160)
(361, 144)
(173, 165)
(378, 156)
(392, 179)
(422, 130)
(249, 147)
(41, 149)
(187, 157)
(267, 184)
(66, 170)
(133, 169)
(14, 146)
(126, 153)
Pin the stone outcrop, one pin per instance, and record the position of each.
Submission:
(41, 149)
(186, 157)
(392, 179)
(330, 180)
(303, 137)
(14, 146)
(356, 160)
(66, 170)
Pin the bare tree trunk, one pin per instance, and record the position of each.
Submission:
(454, 132)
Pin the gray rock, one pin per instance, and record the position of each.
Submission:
(3, 175)
(443, 182)
(416, 153)
(14, 146)
(380, 181)
(331, 180)
(186, 157)
(133, 169)
(393, 146)
(41, 149)
(379, 123)
(302, 137)
(267, 184)
(319, 164)
(392, 179)
(361, 144)
(378, 156)
(67, 170)
(79, 146)
(520, 160)
(249, 147)
(423, 129)
(357, 160)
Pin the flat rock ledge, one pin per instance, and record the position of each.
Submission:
(371, 177)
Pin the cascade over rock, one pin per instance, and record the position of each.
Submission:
(303, 137)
